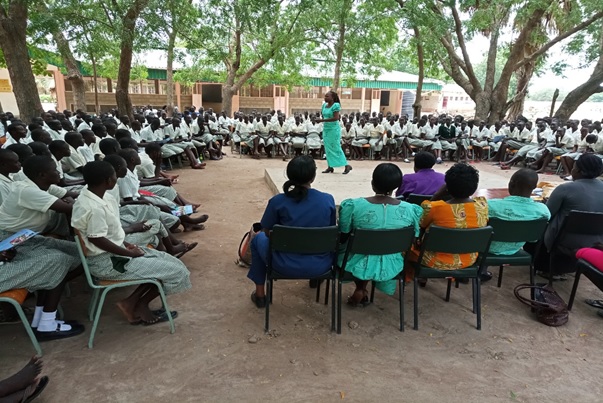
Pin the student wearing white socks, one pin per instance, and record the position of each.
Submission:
(39, 264)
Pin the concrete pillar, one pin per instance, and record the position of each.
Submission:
(59, 85)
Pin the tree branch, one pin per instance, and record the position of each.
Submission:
(559, 38)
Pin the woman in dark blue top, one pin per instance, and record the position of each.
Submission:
(299, 206)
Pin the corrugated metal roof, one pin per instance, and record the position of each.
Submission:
(377, 84)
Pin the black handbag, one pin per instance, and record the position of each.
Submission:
(550, 308)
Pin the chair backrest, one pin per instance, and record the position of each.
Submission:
(304, 240)
(457, 241)
(517, 231)
(81, 249)
(379, 242)
(417, 198)
(583, 223)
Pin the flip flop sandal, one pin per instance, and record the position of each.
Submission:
(600, 313)
(187, 248)
(162, 317)
(597, 303)
(39, 389)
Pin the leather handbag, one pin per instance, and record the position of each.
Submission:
(550, 308)
(244, 251)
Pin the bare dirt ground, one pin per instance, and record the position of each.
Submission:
(210, 357)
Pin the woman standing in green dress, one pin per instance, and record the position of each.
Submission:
(331, 133)
(381, 211)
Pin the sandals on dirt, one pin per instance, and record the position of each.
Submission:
(597, 303)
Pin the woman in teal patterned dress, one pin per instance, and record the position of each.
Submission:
(331, 133)
(381, 211)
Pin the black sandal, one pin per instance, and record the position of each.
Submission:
(259, 302)
(329, 170)
(597, 303)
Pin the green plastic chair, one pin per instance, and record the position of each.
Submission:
(102, 287)
(457, 241)
(417, 198)
(16, 298)
(515, 231)
(303, 241)
(375, 242)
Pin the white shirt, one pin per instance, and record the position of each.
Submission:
(175, 132)
(128, 186)
(54, 190)
(5, 185)
(26, 207)
(147, 134)
(86, 152)
(74, 161)
(97, 218)
(83, 126)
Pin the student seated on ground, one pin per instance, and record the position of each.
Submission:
(452, 207)
(583, 194)
(425, 181)
(96, 217)
(59, 150)
(129, 188)
(516, 207)
(381, 211)
(298, 206)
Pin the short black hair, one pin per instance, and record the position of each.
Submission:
(57, 145)
(128, 142)
(109, 146)
(424, 160)
(461, 180)
(36, 165)
(97, 172)
(36, 135)
(22, 150)
(115, 160)
(589, 165)
(122, 133)
(39, 148)
(127, 153)
(386, 177)
(72, 136)
(152, 147)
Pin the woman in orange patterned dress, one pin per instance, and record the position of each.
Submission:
(458, 211)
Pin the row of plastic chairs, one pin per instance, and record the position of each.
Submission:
(443, 240)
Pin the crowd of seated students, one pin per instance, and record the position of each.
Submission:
(452, 206)
(57, 182)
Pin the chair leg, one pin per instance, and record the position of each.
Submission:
(333, 313)
(326, 290)
(372, 291)
(402, 286)
(478, 305)
(500, 275)
(339, 282)
(318, 290)
(532, 280)
(97, 317)
(269, 302)
(448, 290)
(27, 326)
(93, 304)
(574, 288)
(416, 303)
(167, 308)
(473, 294)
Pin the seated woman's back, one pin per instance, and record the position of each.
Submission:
(458, 212)
(381, 211)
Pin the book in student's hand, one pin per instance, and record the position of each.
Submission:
(183, 210)
(17, 239)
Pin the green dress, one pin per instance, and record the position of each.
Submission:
(331, 136)
(360, 213)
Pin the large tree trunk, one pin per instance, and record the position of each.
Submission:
(482, 106)
(581, 93)
(122, 95)
(170, 73)
(416, 106)
(13, 26)
(339, 47)
(228, 91)
(73, 72)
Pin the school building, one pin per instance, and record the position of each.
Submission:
(391, 92)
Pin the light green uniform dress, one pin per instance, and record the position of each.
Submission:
(331, 136)
(360, 213)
